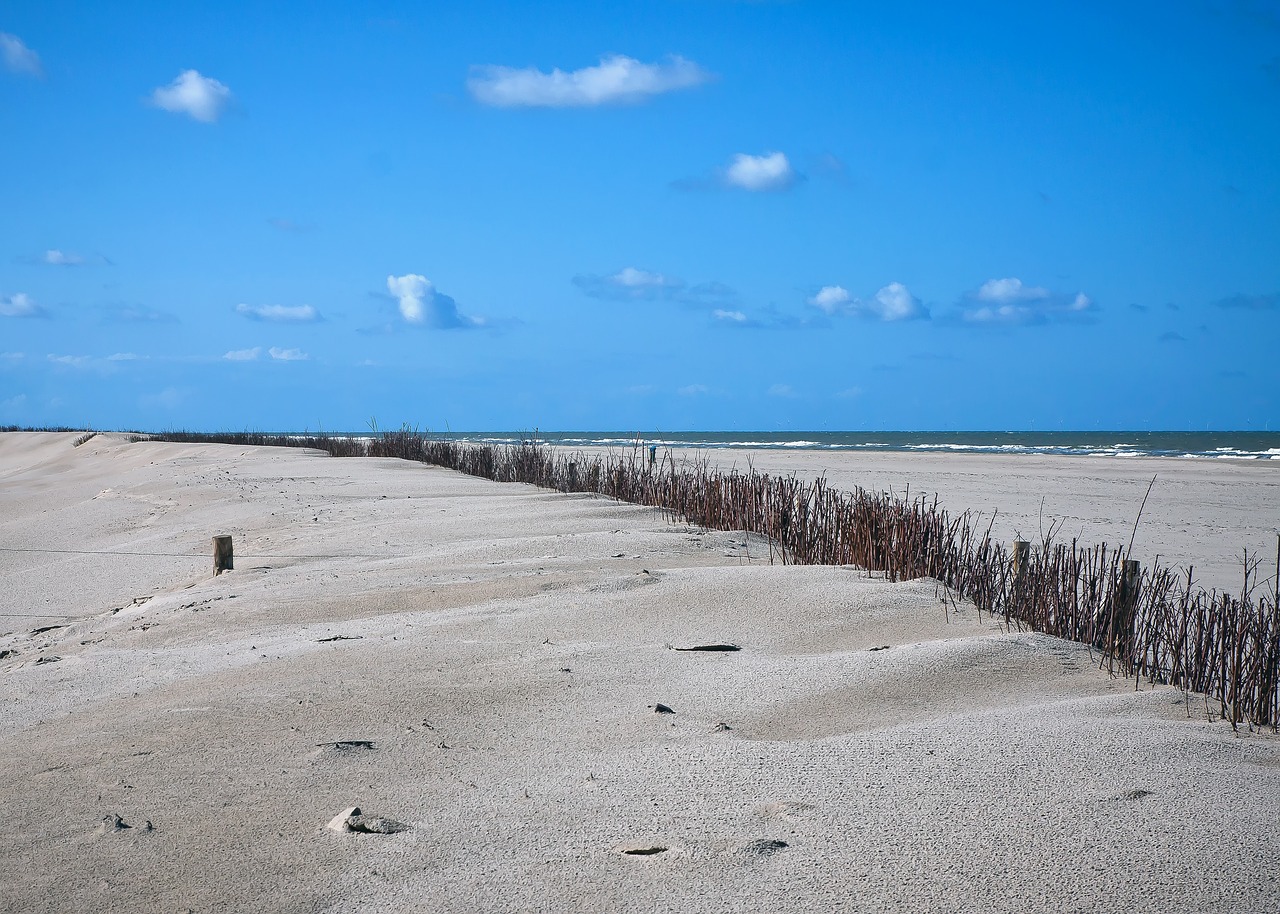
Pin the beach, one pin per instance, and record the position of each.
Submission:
(532, 694)
(1200, 513)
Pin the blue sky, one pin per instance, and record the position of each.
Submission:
(696, 214)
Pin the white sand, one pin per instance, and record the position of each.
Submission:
(503, 649)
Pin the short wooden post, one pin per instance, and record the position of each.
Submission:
(223, 559)
(1021, 558)
(573, 476)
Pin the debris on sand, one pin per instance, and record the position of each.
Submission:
(353, 820)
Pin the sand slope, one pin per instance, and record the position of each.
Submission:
(502, 649)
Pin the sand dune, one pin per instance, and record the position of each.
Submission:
(482, 662)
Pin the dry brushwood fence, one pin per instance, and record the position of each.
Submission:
(1160, 626)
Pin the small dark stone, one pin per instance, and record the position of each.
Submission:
(660, 708)
(763, 847)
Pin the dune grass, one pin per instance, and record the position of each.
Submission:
(1160, 626)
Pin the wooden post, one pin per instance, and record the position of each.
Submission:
(573, 477)
(1126, 605)
(222, 555)
(1021, 558)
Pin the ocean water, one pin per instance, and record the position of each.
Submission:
(1184, 445)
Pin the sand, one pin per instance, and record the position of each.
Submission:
(482, 663)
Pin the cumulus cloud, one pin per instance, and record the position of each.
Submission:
(831, 299)
(19, 305)
(124, 357)
(1010, 301)
(629, 283)
(243, 355)
(1009, 291)
(71, 361)
(893, 302)
(282, 313)
(616, 80)
(199, 97)
(18, 58)
(287, 355)
(770, 171)
(57, 258)
(733, 317)
(421, 303)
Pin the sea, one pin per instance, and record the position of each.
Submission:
(1248, 445)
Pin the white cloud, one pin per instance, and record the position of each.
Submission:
(893, 302)
(421, 303)
(243, 355)
(287, 355)
(1007, 291)
(295, 313)
(123, 357)
(62, 258)
(12, 356)
(19, 305)
(412, 290)
(18, 58)
(736, 317)
(72, 361)
(617, 80)
(770, 171)
(693, 390)
(629, 283)
(1010, 301)
(192, 94)
(640, 279)
(831, 299)
(781, 390)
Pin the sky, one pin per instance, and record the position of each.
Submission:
(661, 216)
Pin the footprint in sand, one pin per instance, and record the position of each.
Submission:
(762, 847)
(784, 810)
